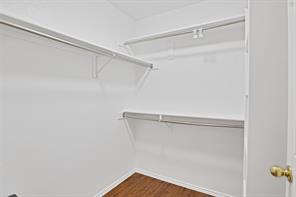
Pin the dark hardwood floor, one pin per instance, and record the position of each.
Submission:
(139, 185)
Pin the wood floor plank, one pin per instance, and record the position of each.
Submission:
(139, 185)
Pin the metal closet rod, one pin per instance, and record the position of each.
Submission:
(207, 124)
(46, 33)
(189, 30)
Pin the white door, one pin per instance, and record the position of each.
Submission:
(291, 156)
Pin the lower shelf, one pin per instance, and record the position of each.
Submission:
(184, 120)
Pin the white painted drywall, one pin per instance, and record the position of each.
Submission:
(203, 77)
(61, 134)
(267, 133)
(204, 157)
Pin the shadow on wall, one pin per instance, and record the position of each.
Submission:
(206, 157)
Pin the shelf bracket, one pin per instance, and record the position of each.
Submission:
(160, 118)
(143, 79)
(130, 133)
(128, 49)
(97, 70)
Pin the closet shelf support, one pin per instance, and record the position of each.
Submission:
(97, 70)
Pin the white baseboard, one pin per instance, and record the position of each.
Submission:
(115, 183)
(162, 178)
(182, 183)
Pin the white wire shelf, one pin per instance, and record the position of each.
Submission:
(184, 120)
(196, 29)
(53, 35)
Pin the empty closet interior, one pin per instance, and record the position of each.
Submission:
(91, 95)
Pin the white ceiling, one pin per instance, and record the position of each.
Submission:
(139, 9)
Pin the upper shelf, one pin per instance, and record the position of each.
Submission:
(47, 33)
(185, 120)
(188, 30)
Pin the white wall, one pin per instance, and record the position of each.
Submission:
(204, 157)
(197, 78)
(60, 130)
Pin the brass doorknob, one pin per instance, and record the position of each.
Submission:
(278, 171)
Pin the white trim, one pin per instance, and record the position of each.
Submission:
(291, 146)
(115, 183)
(182, 183)
(247, 102)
